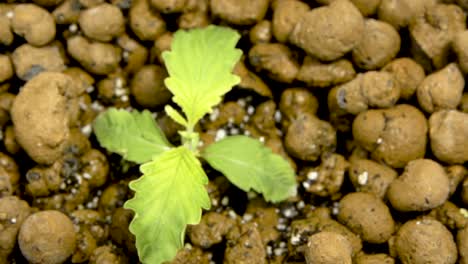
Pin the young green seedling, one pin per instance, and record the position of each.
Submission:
(171, 193)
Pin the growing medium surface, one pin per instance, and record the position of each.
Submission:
(365, 99)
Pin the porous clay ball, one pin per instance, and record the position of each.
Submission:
(145, 23)
(294, 102)
(261, 32)
(34, 23)
(328, 248)
(239, 12)
(399, 13)
(425, 241)
(370, 89)
(67, 13)
(286, 14)
(308, 137)
(394, 136)
(448, 133)
(6, 35)
(366, 215)
(102, 22)
(169, 6)
(47, 237)
(373, 259)
(47, 3)
(379, 44)
(370, 176)
(13, 212)
(276, 60)
(407, 73)
(462, 243)
(442, 89)
(96, 57)
(42, 113)
(318, 74)
(423, 185)
(29, 61)
(433, 31)
(329, 32)
(148, 88)
(460, 46)
(6, 68)
(367, 7)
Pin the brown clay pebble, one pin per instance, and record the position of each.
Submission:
(329, 32)
(34, 23)
(326, 179)
(442, 89)
(47, 237)
(379, 44)
(13, 211)
(6, 68)
(245, 247)
(6, 35)
(448, 133)
(328, 248)
(211, 229)
(276, 60)
(239, 12)
(29, 61)
(423, 185)
(462, 243)
(286, 14)
(374, 259)
(407, 73)
(460, 46)
(370, 89)
(366, 215)
(394, 136)
(399, 13)
(96, 57)
(367, 7)
(42, 113)
(67, 12)
(102, 22)
(370, 176)
(433, 31)
(294, 102)
(261, 32)
(425, 241)
(308, 137)
(144, 22)
(318, 74)
(148, 88)
(171, 6)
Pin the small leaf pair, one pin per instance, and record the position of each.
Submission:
(171, 193)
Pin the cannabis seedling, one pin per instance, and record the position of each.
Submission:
(171, 193)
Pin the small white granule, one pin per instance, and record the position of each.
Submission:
(312, 175)
(73, 28)
(225, 201)
(86, 130)
(250, 110)
(278, 116)
(220, 134)
(363, 177)
(214, 114)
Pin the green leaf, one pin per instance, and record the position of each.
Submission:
(170, 195)
(200, 66)
(176, 116)
(249, 164)
(134, 135)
